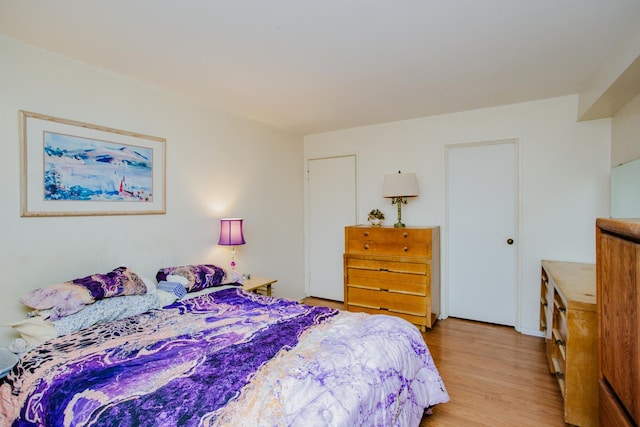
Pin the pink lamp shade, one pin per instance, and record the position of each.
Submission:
(231, 232)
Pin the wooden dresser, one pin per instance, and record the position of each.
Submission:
(393, 271)
(618, 273)
(568, 320)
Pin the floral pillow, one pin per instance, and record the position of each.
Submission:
(200, 276)
(70, 297)
(35, 330)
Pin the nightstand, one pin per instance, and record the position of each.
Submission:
(257, 284)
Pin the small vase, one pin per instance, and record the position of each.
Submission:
(375, 222)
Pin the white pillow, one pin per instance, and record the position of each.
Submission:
(178, 279)
(233, 277)
(35, 330)
(150, 284)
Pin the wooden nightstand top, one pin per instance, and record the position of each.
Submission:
(256, 282)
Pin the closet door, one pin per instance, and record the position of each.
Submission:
(331, 207)
(482, 241)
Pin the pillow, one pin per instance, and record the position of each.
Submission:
(166, 298)
(233, 277)
(35, 330)
(118, 282)
(107, 310)
(200, 276)
(174, 287)
(149, 284)
(178, 279)
(63, 299)
(70, 297)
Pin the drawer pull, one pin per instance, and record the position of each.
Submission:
(405, 249)
(562, 309)
(366, 246)
(405, 234)
(366, 234)
(559, 375)
(559, 342)
(383, 269)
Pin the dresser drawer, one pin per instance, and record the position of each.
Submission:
(416, 320)
(380, 234)
(559, 340)
(389, 281)
(545, 306)
(381, 265)
(402, 303)
(559, 322)
(389, 241)
(407, 249)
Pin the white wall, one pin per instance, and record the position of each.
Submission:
(218, 165)
(625, 133)
(564, 176)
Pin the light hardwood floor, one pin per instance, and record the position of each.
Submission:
(495, 376)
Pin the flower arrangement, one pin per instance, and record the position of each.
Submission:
(375, 214)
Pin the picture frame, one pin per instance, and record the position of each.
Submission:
(71, 168)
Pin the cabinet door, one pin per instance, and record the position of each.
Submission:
(619, 319)
(611, 414)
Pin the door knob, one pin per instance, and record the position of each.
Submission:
(509, 241)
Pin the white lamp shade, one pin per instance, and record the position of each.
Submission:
(400, 185)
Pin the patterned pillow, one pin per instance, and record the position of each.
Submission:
(200, 276)
(118, 282)
(36, 330)
(176, 288)
(107, 310)
(70, 297)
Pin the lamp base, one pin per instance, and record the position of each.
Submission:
(399, 201)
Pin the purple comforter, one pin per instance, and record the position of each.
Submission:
(226, 358)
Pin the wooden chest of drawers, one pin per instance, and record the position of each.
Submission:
(568, 320)
(393, 271)
(618, 272)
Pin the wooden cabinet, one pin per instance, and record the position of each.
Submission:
(618, 277)
(393, 271)
(568, 320)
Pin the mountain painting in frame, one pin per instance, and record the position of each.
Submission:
(71, 168)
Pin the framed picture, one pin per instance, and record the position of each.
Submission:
(70, 168)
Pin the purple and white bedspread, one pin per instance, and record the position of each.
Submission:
(231, 359)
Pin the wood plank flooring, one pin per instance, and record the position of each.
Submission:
(495, 376)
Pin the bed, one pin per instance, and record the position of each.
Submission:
(226, 357)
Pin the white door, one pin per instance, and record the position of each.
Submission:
(481, 221)
(332, 206)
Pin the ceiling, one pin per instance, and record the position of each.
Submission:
(309, 66)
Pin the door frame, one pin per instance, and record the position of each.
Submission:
(307, 248)
(444, 308)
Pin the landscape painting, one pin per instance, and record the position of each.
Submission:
(78, 168)
(73, 168)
